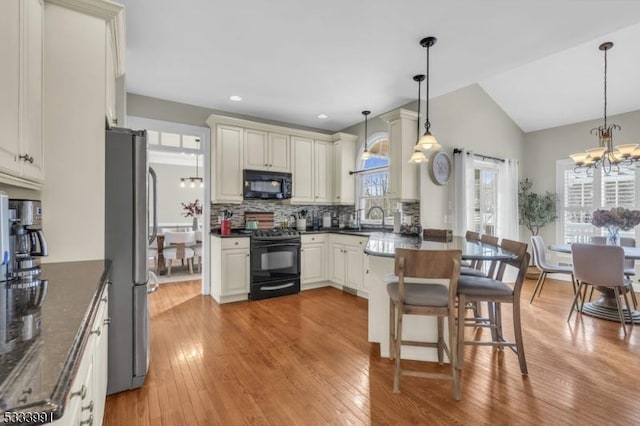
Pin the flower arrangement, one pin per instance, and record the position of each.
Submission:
(192, 209)
(617, 217)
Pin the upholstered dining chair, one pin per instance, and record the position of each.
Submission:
(602, 266)
(197, 249)
(425, 299)
(152, 254)
(495, 292)
(545, 267)
(176, 247)
(629, 265)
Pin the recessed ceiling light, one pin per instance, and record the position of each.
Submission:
(235, 98)
(323, 116)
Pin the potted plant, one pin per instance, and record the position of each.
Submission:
(536, 211)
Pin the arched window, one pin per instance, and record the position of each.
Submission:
(372, 184)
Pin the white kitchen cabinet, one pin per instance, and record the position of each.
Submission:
(323, 183)
(303, 177)
(110, 86)
(86, 400)
(228, 164)
(266, 151)
(312, 178)
(348, 261)
(313, 262)
(403, 178)
(344, 154)
(21, 32)
(230, 262)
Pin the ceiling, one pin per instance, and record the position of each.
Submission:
(292, 60)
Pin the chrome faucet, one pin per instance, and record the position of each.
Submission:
(381, 210)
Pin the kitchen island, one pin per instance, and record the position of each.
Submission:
(381, 251)
(50, 325)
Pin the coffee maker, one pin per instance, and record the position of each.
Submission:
(27, 243)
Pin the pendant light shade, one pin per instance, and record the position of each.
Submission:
(418, 156)
(428, 141)
(365, 154)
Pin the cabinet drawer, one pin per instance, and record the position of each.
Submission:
(349, 240)
(235, 243)
(313, 238)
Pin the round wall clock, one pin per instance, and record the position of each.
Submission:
(440, 168)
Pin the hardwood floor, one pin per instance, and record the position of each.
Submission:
(305, 359)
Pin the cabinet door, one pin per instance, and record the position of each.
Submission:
(227, 172)
(110, 72)
(354, 267)
(279, 153)
(235, 272)
(312, 263)
(255, 150)
(323, 154)
(302, 149)
(100, 359)
(337, 263)
(9, 83)
(31, 138)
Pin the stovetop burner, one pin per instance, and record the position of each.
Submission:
(275, 233)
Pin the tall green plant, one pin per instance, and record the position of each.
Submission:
(535, 210)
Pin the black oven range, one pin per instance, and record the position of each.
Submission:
(275, 263)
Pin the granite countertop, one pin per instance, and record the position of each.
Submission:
(37, 373)
(384, 244)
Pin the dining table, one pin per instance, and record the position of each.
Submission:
(379, 269)
(606, 307)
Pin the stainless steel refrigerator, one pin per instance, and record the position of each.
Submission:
(129, 186)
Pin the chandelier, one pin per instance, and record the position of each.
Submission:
(605, 154)
(193, 181)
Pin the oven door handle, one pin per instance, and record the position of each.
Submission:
(276, 287)
(277, 245)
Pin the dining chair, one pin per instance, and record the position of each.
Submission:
(470, 236)
(629, 264)
(545, 267)
(495, 292)
(602, 266)
(425, 299)
(176, 247)
(197, 249)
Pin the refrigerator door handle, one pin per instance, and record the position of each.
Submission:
(154, 186)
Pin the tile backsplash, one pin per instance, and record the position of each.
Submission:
(282, 212)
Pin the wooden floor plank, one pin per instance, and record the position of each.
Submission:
(305, 359)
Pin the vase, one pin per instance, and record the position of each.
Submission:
(613, 236)
(195, 223)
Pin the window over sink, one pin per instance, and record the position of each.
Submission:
(372, 184)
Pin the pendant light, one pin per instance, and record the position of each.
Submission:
(418, 156)
(365, 154)
(193, 180)
(427, 141)
(605, 154)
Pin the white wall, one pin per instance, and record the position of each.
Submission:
(467, 118)
(170, 194)
(543, 148)
(74, 122)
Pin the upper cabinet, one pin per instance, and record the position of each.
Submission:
(312, 179)
(403, 177)
(239, 144)
(266, 151)
(344, 154)
(21, 29)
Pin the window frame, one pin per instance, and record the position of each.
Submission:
(374, 139)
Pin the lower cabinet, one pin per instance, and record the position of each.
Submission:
(230, 263)
(312, 258)
(86, 401)
(348, 261)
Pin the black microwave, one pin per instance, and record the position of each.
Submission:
(263, 185)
